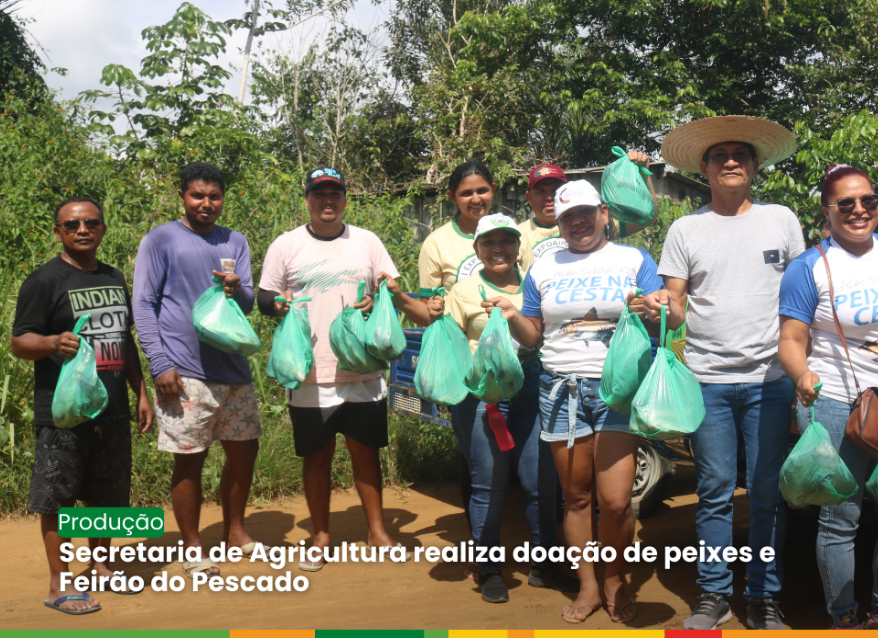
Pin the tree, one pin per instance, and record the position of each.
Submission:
(591, 75)
(21, 69)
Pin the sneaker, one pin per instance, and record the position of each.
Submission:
(764, 614)
(553, 576)
(710, 611)
(493, 588)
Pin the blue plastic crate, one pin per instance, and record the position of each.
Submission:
(404, 399)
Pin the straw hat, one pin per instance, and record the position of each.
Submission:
(685, 145)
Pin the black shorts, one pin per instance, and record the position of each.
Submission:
(90, 463)
(314, 428)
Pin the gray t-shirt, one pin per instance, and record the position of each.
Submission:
(734, 266)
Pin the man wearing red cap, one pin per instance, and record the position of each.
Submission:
(540, 233)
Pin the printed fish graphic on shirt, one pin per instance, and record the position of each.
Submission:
(591, 327)
(870, 348)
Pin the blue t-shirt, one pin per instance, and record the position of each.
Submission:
(580, 297)
(804, 295)
(172, 270)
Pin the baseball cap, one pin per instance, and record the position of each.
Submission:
(573, 194)
(497, 221)
(545, 171)
(324, 175)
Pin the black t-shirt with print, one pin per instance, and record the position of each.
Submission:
(50, 301)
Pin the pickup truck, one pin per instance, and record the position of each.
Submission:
(655, 460)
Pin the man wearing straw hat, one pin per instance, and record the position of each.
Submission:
(727, 259)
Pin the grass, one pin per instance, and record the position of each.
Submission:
(418, 451)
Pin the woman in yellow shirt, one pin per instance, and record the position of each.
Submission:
(447, 255)
(496, 243)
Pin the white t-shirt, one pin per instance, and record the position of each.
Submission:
(804, 295)
(328, 272)
(580, 297)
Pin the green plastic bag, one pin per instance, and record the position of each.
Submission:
(496, 374)
(384, 335)
(814, 473)
(292, 355)
(872, 484)
(627, 362)
(624, 192)
(444, 361)
(221, 323)
(668, 404)
(347, 338)
(80, 394)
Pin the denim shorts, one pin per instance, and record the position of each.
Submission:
(592, 414)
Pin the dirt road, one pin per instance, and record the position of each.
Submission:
(412, 595)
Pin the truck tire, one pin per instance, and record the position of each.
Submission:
(649, 484)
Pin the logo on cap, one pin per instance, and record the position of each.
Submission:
(317, 173)
(499, 222)
(561, 195)
(545, 170)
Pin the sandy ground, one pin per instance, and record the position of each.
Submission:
(413, 595)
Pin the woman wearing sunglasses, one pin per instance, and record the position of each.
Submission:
(806, 314)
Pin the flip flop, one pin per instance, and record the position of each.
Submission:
(408, 554)
(576, 609)
(247, 549)
(308, 566)
(620, 608)
(130, 592)
(190, 567)
(73, 612)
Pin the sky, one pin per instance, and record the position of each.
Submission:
(84, 36)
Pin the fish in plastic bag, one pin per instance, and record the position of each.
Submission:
(384, 335)
(669, 403)
(80, 394)
(625, 193)
(444, 361)
(292, 355)
(496, 374)
(220, 322)
(814, 473)
(347, 338)
(627, 362)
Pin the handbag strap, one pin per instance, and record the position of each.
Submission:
(835, 318)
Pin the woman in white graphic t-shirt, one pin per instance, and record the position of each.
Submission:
(572, 302)
(851, 210)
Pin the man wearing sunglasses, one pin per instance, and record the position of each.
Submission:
(90, 462)
(727, 259)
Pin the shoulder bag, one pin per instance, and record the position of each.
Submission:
(862, 425)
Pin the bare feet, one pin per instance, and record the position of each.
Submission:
(620, 605)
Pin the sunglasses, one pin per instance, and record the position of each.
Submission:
(72, 225)
(846, 205)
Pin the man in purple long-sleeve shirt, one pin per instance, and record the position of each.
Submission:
(202, 394)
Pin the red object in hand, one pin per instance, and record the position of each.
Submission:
(498, 424)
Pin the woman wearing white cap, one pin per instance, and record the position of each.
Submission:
(496, 244)
(572, 302)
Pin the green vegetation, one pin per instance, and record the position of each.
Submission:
(508, 82)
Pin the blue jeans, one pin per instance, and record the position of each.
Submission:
(759, 414)
(838, 523)
(490, 468)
